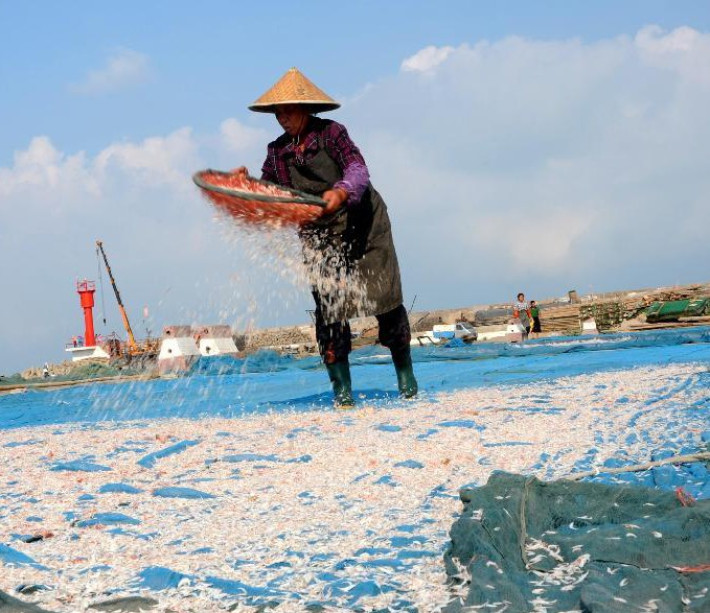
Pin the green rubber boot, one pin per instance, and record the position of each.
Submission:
(339, 374)
(406, 382)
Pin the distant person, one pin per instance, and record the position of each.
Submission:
(348, 250)
(45, 371)
(521, 311)
(535, 315)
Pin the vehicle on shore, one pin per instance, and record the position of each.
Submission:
(442, 333)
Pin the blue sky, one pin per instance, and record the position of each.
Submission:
(207, 60)
(478, 120)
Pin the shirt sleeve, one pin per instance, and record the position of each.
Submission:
(345, 152)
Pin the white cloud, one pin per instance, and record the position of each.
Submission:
(41, 168)
(533, 243)
(157, 160)
(427, 59)
(239, 138)
(124, 68)
(542, 164)
(684, 50)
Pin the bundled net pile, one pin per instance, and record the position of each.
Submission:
(258, 202)
(526, 545)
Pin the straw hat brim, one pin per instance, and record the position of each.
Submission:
(294, 88)
(311, 107)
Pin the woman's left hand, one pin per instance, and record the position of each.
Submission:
(334, 199)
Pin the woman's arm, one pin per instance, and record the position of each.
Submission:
(346, 154)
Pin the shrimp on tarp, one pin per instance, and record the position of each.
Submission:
(258, 202)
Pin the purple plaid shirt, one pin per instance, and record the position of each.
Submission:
(337, 145)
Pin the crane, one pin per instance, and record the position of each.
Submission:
(132, 345)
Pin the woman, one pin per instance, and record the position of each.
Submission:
(348, 250)
(521, 311)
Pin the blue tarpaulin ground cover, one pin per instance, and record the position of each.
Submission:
(267, 384)
(228, 387)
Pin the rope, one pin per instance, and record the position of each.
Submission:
(679, 459)
(523, 536)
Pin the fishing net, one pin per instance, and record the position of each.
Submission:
(258, 202)
(526, 545)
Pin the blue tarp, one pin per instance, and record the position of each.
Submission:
(227, 387)
(268, 382)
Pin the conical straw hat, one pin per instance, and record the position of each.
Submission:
(294, 88)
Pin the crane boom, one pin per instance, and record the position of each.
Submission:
(126, 324)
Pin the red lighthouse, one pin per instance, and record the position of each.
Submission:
(86, 291)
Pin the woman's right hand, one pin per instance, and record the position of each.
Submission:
(241, 171)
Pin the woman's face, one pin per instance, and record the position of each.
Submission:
(292, 118)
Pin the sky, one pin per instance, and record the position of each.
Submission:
(520, 146)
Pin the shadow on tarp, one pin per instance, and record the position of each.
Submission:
(267, 382)
(325, 399)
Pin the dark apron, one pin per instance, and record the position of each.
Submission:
(349, 255)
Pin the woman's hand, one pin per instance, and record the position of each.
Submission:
(334, 199)
(241, 171)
